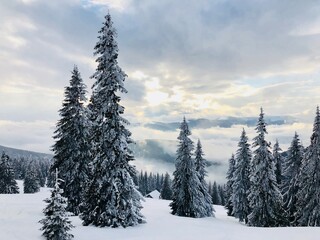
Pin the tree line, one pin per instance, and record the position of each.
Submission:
(266, 188)
(33, 172)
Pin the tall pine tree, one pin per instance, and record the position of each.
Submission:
(292, 166)
(200, 164)
(241, 180)
(188, 200)
(111, 198)
(8, 184)
(265, 196)
(308, 203)
(71, 149)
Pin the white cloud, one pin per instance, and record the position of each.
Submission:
(119, 5)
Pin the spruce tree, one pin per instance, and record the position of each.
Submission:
(308, 213)
(241, 180)
(166, 190)
(71, 149)
(265, 196)
(111, 197)
(222, 191)
(56, 224)
(31, 183)
(188, 200)
(292, 166)
(216, 196)
(278, 160)
(229, 190)
(200, 164)
(8, 184)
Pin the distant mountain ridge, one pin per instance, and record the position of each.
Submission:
(18, 153)
(226, 122)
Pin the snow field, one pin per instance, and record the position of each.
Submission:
(20, 213)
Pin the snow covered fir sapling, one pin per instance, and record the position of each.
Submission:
(56, 225)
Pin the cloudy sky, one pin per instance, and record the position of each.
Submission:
(198, 58)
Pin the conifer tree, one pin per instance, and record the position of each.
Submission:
(216, 197)
(71, 150)
(222, 194)
(200, 164)
(229, 190)
(188, 200)
(278, 160)
(166, 190)
(241, 180)
(265, 197)
(8, 184)
(56, 224)
(111, 197)
(292, 167)
(308, 213)
(31, 183)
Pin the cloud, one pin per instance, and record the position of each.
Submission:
(27, 135)
(202, 59)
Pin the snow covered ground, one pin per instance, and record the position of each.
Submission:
(20, 213)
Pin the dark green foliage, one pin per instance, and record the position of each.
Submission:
(166, 190)
(31, 183)
(8, 184)
(279, 162)
(216, 198)
(229, 189)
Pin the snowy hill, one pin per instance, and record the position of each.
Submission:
(18, 153)
(20, 213)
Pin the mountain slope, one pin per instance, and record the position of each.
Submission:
(18, 153)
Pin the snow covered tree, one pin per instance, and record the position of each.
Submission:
(31, 183)
(8, 184)
(222, 191)
(241, 179)
(200, 164)
(229, 190)
(292, 166)
(166, 190)
(111, 197)
(265, 197)
(188, 200)
(72, 149)
(56, 224)
(278, 160)
(216, 196)
(308, 203)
